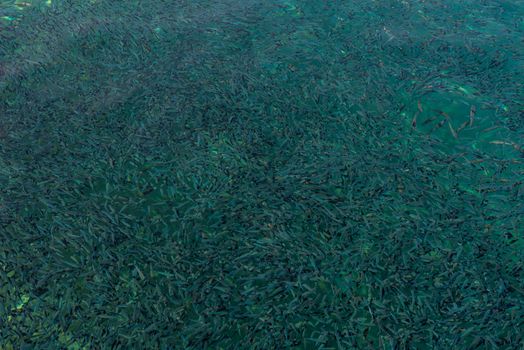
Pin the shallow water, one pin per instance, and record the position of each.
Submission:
(245, 174)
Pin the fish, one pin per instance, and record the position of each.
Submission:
(453, 132)
(429, 120)
(507, 143)
(444, 114)
(23, 4)
(414, 120)
(497, 142)
(472, 112)
(448, 119)
(491, 128)
(440, 124)
(462, 126)
(419, 106)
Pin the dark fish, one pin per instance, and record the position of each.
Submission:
(439, 125)
(414, 120)
(462, 126)
(429, 120)
(448, 119)
(472, 112)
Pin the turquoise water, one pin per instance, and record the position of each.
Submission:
(247, 174)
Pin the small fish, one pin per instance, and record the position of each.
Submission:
(453, 132)
(491, 128)
(23, 4)
(448, 119)
(462, 126)
(140, 273)
(497, 142)
(429, 120)
(444, 114)
(515, 146)
(440, 124)
(472, 112)
(391, 36)
(419, 106)
(414, 120)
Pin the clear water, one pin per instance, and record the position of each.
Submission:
(248, 174)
